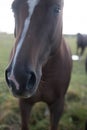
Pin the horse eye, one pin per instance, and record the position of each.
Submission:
(56, 9)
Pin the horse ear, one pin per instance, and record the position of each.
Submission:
(63, 3)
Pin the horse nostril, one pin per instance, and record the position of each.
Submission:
(12, 85)
(31, 81)
(6, 76)
(10, 79)
(9, 82)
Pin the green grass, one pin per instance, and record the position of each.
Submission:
(75, 110)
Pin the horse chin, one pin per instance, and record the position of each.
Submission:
(25, 93)
(23, 96)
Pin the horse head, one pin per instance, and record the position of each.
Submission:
(38, 34)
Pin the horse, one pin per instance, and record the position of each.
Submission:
(40, 63)
(81, 43)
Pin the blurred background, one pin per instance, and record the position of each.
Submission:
(75, 110)
(75, 16)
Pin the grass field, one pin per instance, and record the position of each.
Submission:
(75, 111)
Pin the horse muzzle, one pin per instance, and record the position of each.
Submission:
(23, 84)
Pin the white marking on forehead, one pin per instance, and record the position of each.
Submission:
(31, 6)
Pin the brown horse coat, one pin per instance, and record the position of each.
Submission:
(40, 64)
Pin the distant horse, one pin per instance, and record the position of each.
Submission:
(81, 43)
(40, 62)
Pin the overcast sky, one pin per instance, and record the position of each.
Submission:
(74, 17)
